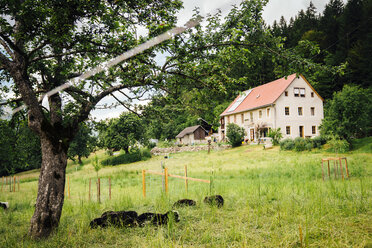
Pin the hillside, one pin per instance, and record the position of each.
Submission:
(269, 195)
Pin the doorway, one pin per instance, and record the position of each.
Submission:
(301, 131)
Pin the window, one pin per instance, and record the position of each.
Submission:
(251, 114)
(302, 92)
(312, 111)
(260, 114)
(296, 92)
(286, 93)
(299, 110)
(299, 92)
(288, 130)
(268, 112)
(313, 129)
(242, 117)
(286, 111)
(312, 94)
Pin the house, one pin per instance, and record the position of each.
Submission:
(290, 104)
(190, 135)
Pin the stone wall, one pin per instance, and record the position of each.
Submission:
(165, 151)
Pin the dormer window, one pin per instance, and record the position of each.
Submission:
(299, 92)
(312, 94)
(258, 96)
(286, 93)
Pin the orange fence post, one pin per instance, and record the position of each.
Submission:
(166, 179)
(68, 187)
(99, 190)
(347, 169)
(14, 183)
(90, 185)
(186, 181)
(110, 187)
(144, 183)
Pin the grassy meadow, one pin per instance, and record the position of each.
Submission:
(271, 196)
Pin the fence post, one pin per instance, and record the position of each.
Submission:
(166, 179)
(99, 190)
(90, 185)
(14, 183)
(186, 183)
(68, 187)
(10, 184)
(144, 183)
(19, 179)
(163, 178)
(110, 187)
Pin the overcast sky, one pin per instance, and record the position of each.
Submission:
(273, 11)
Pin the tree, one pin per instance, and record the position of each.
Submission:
(123, 132)
(46, 43)
(19, 147)
(275, 135)
(348, 115)
(235, 134)
(83, 143)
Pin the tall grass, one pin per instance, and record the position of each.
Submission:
(268, 195)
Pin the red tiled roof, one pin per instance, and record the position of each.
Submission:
(262, 95)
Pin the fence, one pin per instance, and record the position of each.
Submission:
(165, 174)
(12, 182)
(90, 191)
(337, 164)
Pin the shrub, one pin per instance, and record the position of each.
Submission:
(338, 145)
(287, 144)
(275, 135)
(299, 144)
(126, 158)
(309, 144)
(318, 141)
(235, 134)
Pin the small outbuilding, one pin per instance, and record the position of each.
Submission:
(190, 135)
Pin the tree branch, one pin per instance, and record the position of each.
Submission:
(7, 48)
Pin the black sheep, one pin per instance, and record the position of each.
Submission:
(157, 219)
(215, 200)
(184, 203)
(118, 219)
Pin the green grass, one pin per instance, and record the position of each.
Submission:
(268, 195)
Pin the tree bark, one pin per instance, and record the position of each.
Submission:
(50, 195)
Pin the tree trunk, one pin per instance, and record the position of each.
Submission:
(50, 194)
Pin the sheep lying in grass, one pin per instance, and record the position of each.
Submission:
(4, 205)
(214, 200)
(184, 203)
(157, 219)
(131, 219)
(118, 219)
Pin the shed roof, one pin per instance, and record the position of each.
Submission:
(262, 95)
(188, 130)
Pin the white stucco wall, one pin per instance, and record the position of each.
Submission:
(293, 119)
